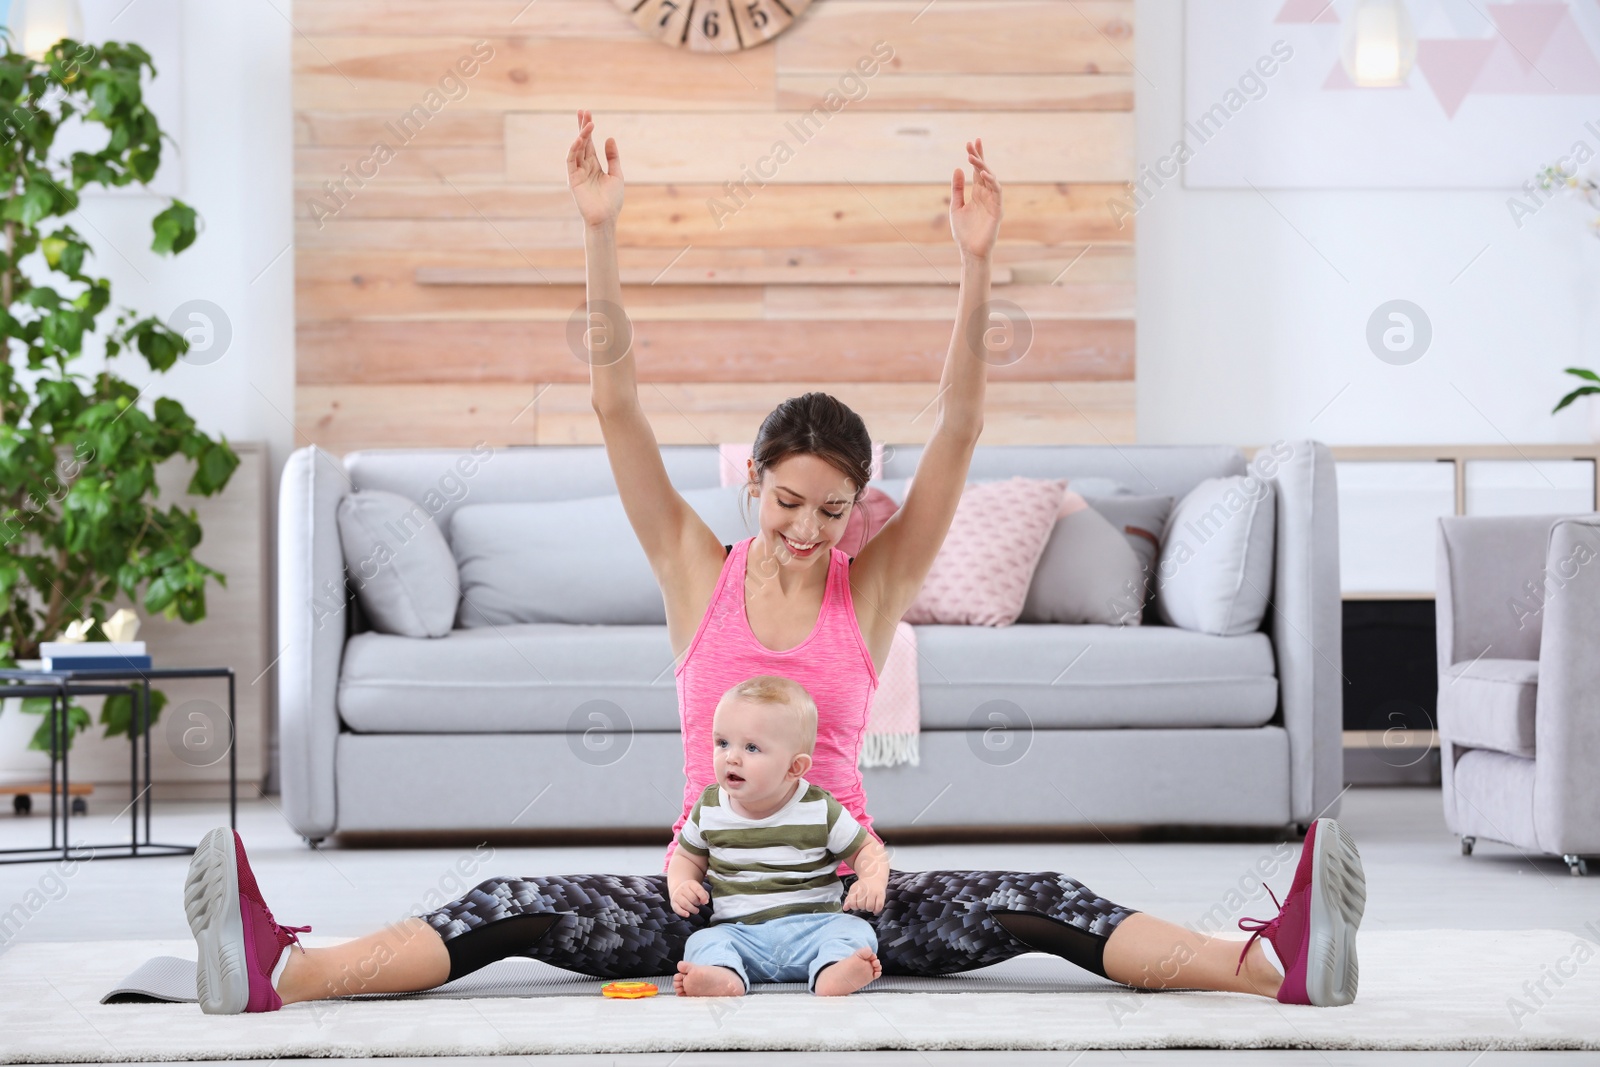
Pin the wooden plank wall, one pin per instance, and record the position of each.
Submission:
(439, 255)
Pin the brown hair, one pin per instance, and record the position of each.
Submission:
(776, 690)
(820, 425)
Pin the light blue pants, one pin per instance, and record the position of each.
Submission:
(781, 950)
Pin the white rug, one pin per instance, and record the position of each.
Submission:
(1436, 989)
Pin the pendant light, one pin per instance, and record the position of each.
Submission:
(1378, 45)
(37, 24)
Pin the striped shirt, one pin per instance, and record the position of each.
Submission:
(785, 864)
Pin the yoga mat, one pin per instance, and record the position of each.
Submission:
(170, 979)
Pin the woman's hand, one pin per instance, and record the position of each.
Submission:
(975, 212)
(598, 191)
(688, 896)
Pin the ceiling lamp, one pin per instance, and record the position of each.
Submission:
(36, 25)
(1378, 46)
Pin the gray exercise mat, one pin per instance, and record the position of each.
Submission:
(170, 979)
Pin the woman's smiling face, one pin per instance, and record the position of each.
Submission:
(805, 504)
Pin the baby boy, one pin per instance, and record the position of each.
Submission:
(773, 842)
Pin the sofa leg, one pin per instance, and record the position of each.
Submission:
(1467, 841)
(313, 842)
(1576, 865)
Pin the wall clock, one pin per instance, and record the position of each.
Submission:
(713, 25)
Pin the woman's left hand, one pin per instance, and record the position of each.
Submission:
(975, 210)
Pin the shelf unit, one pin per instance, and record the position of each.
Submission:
(1376, 750)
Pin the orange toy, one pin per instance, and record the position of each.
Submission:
(629, 990)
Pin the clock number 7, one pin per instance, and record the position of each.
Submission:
(667, 8)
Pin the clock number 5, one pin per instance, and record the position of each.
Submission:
(758, 15)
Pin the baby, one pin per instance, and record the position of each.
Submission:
(773, 842)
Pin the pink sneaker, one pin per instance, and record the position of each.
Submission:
(1314, 932)
(239, 942)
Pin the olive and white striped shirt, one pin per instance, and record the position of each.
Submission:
(785, 864)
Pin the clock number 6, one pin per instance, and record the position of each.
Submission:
(708, 25)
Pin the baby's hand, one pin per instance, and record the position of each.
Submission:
(687, 897)
(865, 895)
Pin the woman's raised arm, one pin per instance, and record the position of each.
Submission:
(667, 527)
(893, 564)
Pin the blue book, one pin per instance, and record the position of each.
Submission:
(96, 663)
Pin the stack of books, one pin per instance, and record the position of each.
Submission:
(93, 655)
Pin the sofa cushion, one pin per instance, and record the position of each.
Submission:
(570, 561)
(405, 578)
(1088, 487)
(551, 677)
(1214, 573)
(535, 677)
(1095, 676)
(981, 574)
(1489, 703)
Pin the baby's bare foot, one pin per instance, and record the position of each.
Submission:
(705, 980)
(849, 974)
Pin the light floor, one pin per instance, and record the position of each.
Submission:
(1416, 878)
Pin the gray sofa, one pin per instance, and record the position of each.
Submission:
(573, 726)
(1518, 604)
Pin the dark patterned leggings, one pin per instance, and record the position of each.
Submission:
(622, 926)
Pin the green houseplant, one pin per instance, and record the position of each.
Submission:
(1591, 386)
(79, 522)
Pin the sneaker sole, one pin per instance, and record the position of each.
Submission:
(211, 903)
(1338, 898)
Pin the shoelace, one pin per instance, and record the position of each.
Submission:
(1262, 927)
(294, 933)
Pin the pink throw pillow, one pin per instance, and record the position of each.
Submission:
(867, 517)
(981, 575)
(1071, 503)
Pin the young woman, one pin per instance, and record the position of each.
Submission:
(782, 602)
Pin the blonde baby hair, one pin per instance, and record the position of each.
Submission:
(777, 691)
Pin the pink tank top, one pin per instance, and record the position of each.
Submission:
(832, 663)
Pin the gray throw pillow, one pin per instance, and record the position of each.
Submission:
(1098, 569)
(1140, 519)
(1097, 487)
(570, 561)
(403, 572)
(1214, 573)
(1088, 573)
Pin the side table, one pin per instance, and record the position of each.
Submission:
(61, 686)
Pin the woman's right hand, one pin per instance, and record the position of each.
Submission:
(597, 190)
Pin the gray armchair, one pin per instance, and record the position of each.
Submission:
(1518, 605)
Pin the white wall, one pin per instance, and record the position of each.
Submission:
(1246, 332)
